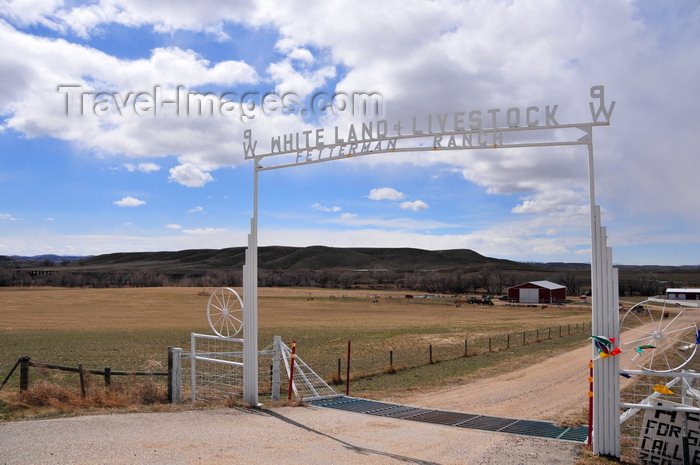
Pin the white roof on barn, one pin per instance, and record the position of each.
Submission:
(681, 290)
(547, 284)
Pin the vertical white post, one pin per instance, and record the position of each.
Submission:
(605, 322)
(250, 305)
(193, 368)
(276, 361)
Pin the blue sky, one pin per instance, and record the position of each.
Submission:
(111, 180)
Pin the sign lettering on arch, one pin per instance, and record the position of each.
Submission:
(461, 130)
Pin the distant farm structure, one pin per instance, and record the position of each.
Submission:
(535, 292)
(682, 294)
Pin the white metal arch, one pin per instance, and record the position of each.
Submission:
(315, 146)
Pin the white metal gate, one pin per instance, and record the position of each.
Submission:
(216, 370)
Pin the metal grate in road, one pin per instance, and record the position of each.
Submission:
(534, 428)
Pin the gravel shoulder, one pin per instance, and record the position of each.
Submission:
(291, 435)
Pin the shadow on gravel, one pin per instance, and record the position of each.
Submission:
(347, 445)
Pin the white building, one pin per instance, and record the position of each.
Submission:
(682, 294)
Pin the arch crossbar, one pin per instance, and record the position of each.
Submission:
(433, 134)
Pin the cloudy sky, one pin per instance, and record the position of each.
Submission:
(103, 150)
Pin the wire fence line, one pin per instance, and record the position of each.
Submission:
(368, 360)
(224, 380)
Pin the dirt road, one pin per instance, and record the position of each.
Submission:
(552, 390)
(555, 389)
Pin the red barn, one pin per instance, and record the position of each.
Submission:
(536, 292)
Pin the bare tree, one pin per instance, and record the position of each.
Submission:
(571, 281)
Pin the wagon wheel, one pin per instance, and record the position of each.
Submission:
(225, 312)
(659, 338)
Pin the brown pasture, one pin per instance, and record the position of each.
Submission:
(132, 327)
(180, 307)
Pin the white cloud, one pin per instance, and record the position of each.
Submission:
(354, 220)
(197, 209)
(299, 81)
(553, 200)
(173, 226)
(142, 167)
(386, 193)
(34, 68)
(301, 54)
(162, 16)
(190, 176)
(477, 54)
(416, 205)
(204, 231)
(8, 217)
(323, 208)
(129, 202)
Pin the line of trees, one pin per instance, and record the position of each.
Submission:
(488, 279)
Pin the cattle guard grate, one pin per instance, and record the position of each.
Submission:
(534, 428)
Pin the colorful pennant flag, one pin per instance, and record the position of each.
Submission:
(640, 349)
(660, 388)
(605, 346)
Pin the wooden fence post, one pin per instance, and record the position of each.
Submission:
(431, 353)
(108, 376)
(24, 374)
(81, 373)
(466, 348)
(174, 375)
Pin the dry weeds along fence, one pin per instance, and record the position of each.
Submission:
(366, 360)
(24, 363)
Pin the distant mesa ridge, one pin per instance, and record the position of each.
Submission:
(300, 258)
(278, 258)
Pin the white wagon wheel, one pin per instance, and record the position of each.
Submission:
(659, 337)
(225, 312)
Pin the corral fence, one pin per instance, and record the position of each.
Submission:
(24, 363)
(371, 359)
(660, 418)
(216, 369)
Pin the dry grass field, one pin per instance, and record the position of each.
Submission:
(131, 329)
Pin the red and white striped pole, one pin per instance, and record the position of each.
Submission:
(590, 402)
(291, 370)
(347, 376)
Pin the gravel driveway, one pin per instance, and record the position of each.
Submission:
(285, 435)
